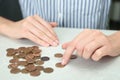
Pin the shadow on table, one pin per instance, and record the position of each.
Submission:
(81, 63)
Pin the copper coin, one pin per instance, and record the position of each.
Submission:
(16, 56)
(39, 62)
(29, 56)
(10, 52)
(10, 66)
(37, 57)
(13, 61)
(59, 65)
(22, 63)
(45, 58)
(15, 70)
(24, 71)
(30, 67)
(22, 55)
(58, 55)
(36, 54)
(35, 47)
(10, 49)
(73, 56)
(40, 68)
(30, 60)
(35, 73)
(48, 70)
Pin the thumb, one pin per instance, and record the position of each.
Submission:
(53, 24)
(101, 52)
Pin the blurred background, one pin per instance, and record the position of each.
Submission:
(115, 15)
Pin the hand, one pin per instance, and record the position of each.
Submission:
(33, 28)
(92, 44)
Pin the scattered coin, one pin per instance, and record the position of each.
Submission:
(13, 61)
(58, 55)
(24, 71)
(40, 68)
(35, 73)
(73, 56)
(59, 65)
(13, 65)
(39, 62)
(48, 70)
(22, 63)
(45, 58)
(15, 70)
(30, 67)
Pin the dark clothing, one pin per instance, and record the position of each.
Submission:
(10, 9)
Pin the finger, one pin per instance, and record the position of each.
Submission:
(88, 38)
(46, 24)
(35, 39)
(38, 25)
(67, 54)
(40, 34)
(53, 24)
(99, 54)
(85, 39)
(65, 45)
(90, 49)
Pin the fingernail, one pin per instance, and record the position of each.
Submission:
(57, 41)
(54, 44)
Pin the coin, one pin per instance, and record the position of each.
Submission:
(45, 58)
(40, 68)
(59, 65)
(22, 55)
(30, 67)
(35, 73)
(22, 63)
(58, 55)
(10, 52)
(24, 71)
(30, 60)
(29, 56)
(73, 56)
(15, 70)
(39, 62)
(13, 65)
(13, 60)
(48, 70)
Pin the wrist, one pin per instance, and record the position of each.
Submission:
(4, 24)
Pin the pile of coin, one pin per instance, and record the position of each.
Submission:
(27, 60)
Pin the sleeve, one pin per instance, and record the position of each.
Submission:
(10, 9)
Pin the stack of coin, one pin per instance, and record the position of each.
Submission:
(29, 58)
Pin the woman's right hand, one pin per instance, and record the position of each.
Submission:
(33, 28)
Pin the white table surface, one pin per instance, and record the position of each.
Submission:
(79, 69)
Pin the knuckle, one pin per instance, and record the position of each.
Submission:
(79, 47)
(87, 48)
(25, 23)
(29, 18)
